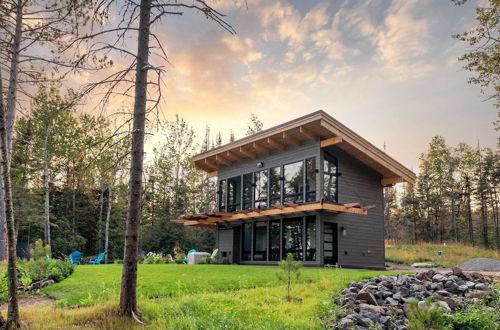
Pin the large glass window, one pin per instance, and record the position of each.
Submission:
(247, 191)
(234, 197)
(222, 195)
(330, 178)
(310, 238)
(292, 238)
(294, 182)
(247, 242)
(275, 185)
(311, 180)
(274, 240)
(260, 245)
(261, 189)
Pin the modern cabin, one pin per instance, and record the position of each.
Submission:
(311, 187)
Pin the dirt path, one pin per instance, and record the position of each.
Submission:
(33, 300)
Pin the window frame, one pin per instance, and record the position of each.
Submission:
(284, 195)
(327, 157)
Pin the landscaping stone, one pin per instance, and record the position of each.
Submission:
(383, 302)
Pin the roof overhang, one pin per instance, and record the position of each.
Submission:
(210, 219)
(317, 126)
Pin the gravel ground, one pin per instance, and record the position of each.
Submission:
(481, 264)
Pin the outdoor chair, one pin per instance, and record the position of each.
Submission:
(98, 260)
(75, 258)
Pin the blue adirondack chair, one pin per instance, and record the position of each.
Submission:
(75, 258)
(97, 261)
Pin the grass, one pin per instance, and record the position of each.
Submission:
(453, 254)
(193, 297)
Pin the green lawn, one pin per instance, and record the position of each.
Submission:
(452, 254)
(196, 296)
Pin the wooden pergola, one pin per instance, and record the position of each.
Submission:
(209, 219)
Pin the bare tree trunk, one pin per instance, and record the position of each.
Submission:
(128, 297)
(108, 216)
(10, 116)
(13, 308)
(47, 193)
(101, 210)
(469, 213)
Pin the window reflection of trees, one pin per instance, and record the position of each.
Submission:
(261, 189)
(292, 238)
(275, 185)
(294, 182)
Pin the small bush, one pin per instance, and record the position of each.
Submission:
(179, 261)
(118, 262)
(140, 259)
(40, 251)
(154, 258)
(290, 271)
(226, 261)
(431, 316)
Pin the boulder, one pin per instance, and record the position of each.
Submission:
(457, 271)
(372, 309)
(366, 296)
(439, 278)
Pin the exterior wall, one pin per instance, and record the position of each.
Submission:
(225, 243)
(363, 246)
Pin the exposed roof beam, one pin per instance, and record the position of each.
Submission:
(391, 180)
(222, 160)
(248, 153)
(212, 174)
(290, 139)
(234, 157)
(307, 133)
(211, 164)
(351, 204)
(330, 141)
(275, 144)
(261, 149)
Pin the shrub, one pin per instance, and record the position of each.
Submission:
(40, 251)
(118, 261)
(49, 269)
(154, 258)
(430, 316)
(225, 261)
(179, 261)
(290, 271)
(140, 259)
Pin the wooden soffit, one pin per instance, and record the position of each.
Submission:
(317, 126)
(210, 219)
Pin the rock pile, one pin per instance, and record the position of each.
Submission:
(383, 302)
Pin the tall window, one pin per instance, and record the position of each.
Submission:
(310, 180)
(234, 197)
(292, 238)
(294, 182)
(261, 189)
(311, 238)
(260, 245)
(274, 240)
(330, 186)
(247, 242)
(275, 185)
(222, 195)
(247, 191)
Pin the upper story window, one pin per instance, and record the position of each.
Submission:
(247, 191)
(275, 185)
(261, 189)
(222, 195)
(294, 182)
(330, 184)
(311, 180)
(234, 194)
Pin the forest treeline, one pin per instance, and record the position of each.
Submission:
(454, 199)
(70, 181)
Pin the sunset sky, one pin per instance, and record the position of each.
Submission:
(386, 69)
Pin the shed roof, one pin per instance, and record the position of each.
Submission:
(318, 126)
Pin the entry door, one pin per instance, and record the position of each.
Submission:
(329, 243)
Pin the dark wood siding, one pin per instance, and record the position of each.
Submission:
(364, 242)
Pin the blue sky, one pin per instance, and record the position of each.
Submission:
(386, 69)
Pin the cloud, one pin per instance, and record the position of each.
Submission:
(402, 43)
